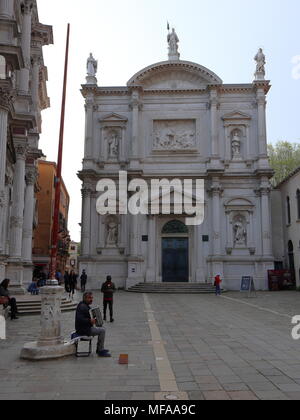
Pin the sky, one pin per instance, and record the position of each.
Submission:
(127, 35)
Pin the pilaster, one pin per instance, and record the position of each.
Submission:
(27, 6)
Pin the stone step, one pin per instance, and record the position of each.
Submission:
(173, 288)
(34, 307)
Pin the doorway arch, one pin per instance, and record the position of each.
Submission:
(175, 252)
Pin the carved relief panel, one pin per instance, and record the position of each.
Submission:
(174, 135)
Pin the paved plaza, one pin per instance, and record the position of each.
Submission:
(197, 347)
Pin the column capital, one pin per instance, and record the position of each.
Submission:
(31, 175)
(136, 101)
(36, 60)
(86, 192)
(20, 149)
(2, 199)
(6, 98)
(26, 7)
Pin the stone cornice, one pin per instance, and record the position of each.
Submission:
(42, 33)
(262, 84)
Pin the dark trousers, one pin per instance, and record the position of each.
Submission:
(13, 307)
(108, 303)
(83, 285)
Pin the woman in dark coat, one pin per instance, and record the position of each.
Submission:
(11, 301)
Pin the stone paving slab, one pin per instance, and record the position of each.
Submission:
(231, 348)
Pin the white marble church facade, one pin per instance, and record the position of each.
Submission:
(177, 119)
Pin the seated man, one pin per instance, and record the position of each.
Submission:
(85, 325)
(4, 292)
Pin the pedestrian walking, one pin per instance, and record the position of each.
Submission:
(108, 289)
(72, 283)
(217, 285)
(67, 282)
(83, 280)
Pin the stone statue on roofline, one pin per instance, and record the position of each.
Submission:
(92, 68)
(173, 41)
(260, 59)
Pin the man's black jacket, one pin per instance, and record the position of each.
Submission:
(83, 320)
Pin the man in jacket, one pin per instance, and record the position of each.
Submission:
(85, 324)
(83, 280)
(108, 289)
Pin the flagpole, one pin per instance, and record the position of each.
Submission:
(58, 178)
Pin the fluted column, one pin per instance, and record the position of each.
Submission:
(262, 128)
(16, 221)
(265, 219)
(136, 106)
(28, 215)
(86, 222)
(200, 278)
(150, 277)
(89, 108)
(6, 9)
(216, 202)
(134, 235)
(214, 110)
(3, 146)
(35, 81)
(26, 45)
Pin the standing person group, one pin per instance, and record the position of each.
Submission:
(70, 281)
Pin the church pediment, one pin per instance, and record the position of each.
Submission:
(174, 76)
(113, 118)
(236, 116)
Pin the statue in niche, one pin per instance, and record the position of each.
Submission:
(236, 145)
(92, 66)
(112, 233)
(173, 42)
(260, 59)
(240, 233)
(113, 145)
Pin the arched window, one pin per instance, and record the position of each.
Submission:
(298, 203)
(288, 203)
(175, 227)
(2, 67)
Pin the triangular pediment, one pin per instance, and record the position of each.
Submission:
(113, 117)
(236, 115)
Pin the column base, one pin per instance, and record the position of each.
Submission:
(14, 272)
(2, 270)
(200, 277)
(27, 275)
(150, 276)
(32, 351)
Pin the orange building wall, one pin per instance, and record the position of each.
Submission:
(45, 205)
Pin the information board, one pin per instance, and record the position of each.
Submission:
(247, 285)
